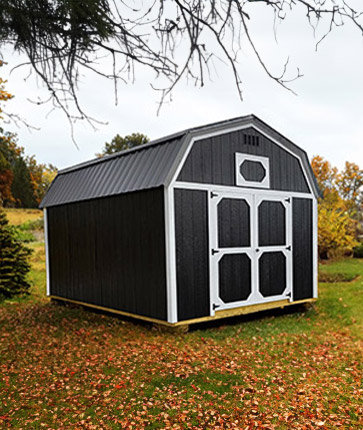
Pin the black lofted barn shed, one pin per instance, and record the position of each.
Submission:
(213, 221)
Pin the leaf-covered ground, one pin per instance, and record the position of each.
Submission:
(64, 367)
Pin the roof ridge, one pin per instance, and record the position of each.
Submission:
(118, 154)
(154, 142)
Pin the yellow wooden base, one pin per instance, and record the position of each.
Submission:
(243, 310)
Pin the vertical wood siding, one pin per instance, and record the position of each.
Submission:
(111, 252)
(272, 273)
(192, 253)
(212, 161)
(234, 223)
(235, 277)
(302, 221)
(271, 224)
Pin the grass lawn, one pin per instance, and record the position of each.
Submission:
(20, 216)
(62, 367)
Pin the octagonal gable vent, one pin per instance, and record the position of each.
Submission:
(252, 171)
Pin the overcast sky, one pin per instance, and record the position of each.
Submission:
(325, 118)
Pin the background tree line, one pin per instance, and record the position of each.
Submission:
(340, 210)
(23, 181)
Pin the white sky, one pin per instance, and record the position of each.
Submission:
(326, 117)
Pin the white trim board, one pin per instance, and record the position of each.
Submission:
(241, 181)
(46, 246)
(315, 249)
(239, 190)
(171, 288)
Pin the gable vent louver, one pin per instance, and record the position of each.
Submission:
(251, 140)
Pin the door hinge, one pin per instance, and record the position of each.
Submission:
(288, 248)
(212, 194)
(214, 251)
(288, 200)
(216, 306)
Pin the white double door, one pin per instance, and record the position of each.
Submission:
(250, 248)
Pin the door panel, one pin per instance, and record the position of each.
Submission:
(234, 226)
(234, 277)
(272, 273)
(250, 240)
(271, 223)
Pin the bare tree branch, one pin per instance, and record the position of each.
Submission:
(175, 39)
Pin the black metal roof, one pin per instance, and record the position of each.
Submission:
(147, 166)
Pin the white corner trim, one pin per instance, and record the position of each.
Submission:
(241, 181)
(170, 255)
(46, 245)
(315, 249)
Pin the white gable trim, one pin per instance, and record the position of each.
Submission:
(188, 143)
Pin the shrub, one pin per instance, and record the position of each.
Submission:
(14, 262)
(358, 251)
(37, 225)
(23, 235)
(336, 277)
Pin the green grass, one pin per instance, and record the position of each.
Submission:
(63, 367)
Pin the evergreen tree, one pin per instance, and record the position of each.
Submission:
(22, 187)
(14, 262)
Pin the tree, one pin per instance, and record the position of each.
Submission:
(6, 180)
(119, 143)
(336, 227)
(41, 176)
(176, 38)
(6, 174)
(325, 174)
(22, 187)
(350, 183)
(14, 264)
(23, 182)
(4, 95)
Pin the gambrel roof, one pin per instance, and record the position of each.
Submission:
(151, 165)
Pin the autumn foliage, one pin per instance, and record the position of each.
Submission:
(71, 369)
(23, 182)
(339, 208)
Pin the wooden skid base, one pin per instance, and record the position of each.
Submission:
(243, 310)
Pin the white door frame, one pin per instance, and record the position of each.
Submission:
(254, 199)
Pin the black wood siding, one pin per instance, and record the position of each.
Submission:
(271, 224)
(111, 252)
(192, 253)
(234, 223)
(302, 240)
(212, 161)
